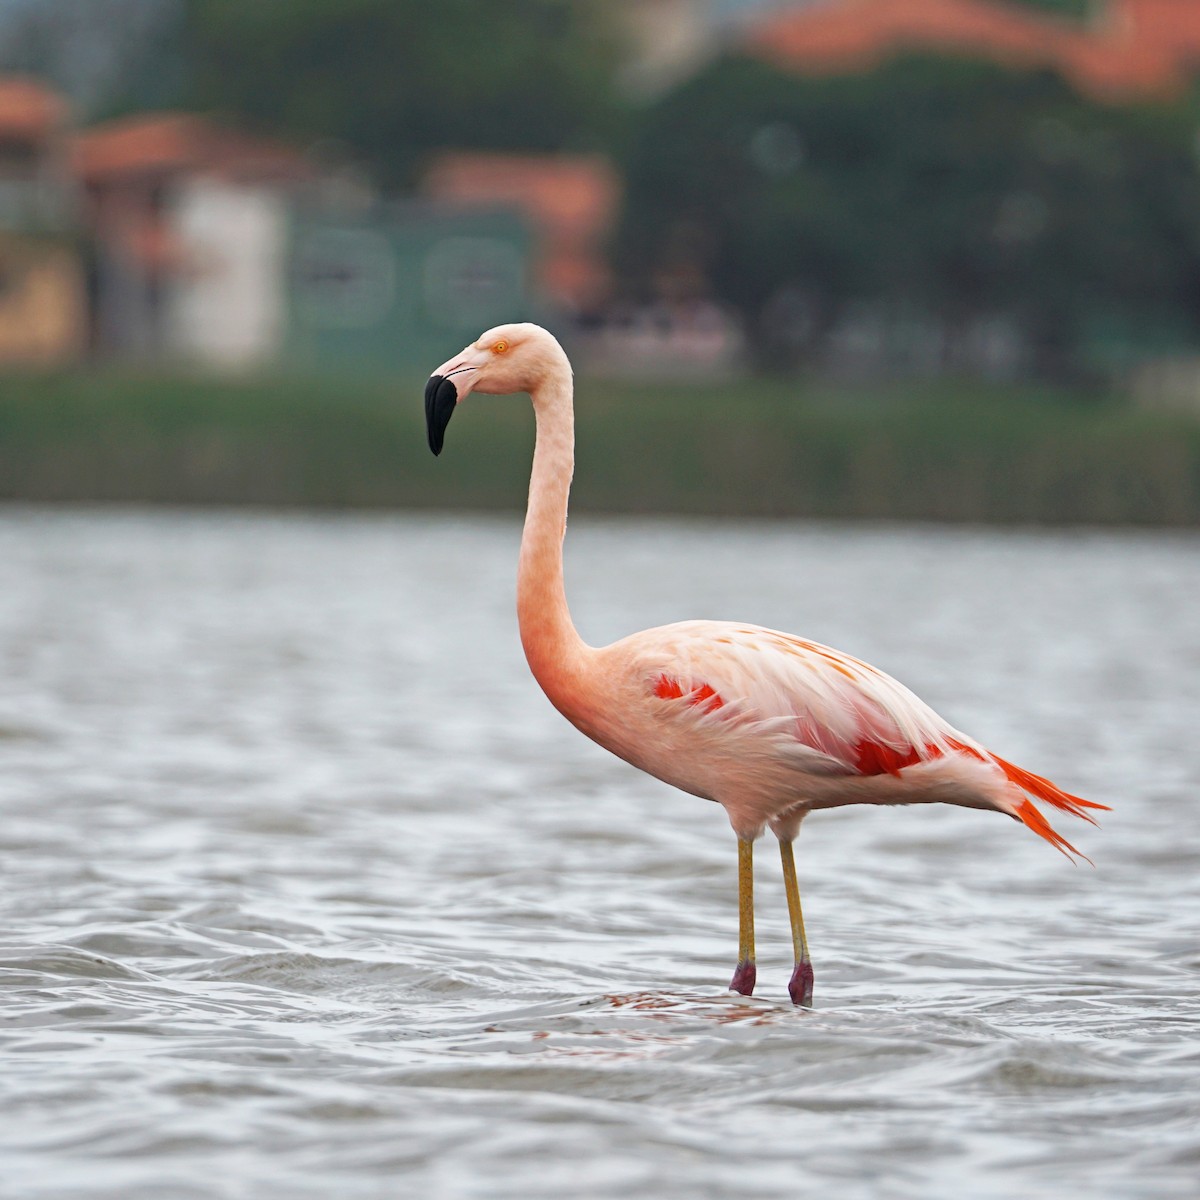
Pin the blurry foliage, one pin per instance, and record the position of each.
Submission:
(394, 79)
(951, 190)
(901, 451)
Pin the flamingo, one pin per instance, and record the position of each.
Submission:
(768, 725)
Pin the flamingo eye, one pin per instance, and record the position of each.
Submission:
(500, 347)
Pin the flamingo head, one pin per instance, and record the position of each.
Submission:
(506, 359)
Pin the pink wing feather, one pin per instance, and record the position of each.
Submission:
(861, 718)
(839, 706)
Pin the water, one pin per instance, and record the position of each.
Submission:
(307, 892)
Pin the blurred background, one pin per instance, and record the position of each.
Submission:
(955, 244)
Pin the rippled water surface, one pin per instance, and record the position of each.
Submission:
(307, 892)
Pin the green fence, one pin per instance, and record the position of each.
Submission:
(391, 292)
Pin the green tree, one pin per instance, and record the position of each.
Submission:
(952, 189)
(393, 79)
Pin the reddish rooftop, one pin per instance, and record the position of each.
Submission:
(1138, 48)
(567, 193)
(160, 144)
(569, 200)
(29, 109)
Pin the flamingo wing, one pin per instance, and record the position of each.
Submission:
(844, 715)
(859, 717)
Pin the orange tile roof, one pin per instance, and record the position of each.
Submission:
(29, 109)
(1140, 47)
(171, 143)
(1170, 24)
(567, 194)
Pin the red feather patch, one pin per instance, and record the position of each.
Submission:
(667, 688)
(876, 758)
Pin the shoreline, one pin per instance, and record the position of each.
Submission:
(944, 453)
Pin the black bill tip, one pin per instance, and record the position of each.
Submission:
(441, 398)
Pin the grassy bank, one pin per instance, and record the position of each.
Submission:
(754, 447)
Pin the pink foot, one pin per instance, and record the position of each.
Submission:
(743, 978)
(800, 987)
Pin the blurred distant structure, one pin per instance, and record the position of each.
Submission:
(35, 182)
(189, 222)
(1125, 47)
(42, 291)
(1129, 49)
(1000, 188)
(569, 202)
(668, 40)
(384, 287)
(216, 248)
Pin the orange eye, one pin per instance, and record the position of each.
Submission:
(499, 347)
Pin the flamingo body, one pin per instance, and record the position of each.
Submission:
(766, 724)
(772, 726)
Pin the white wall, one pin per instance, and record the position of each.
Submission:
(226, 302)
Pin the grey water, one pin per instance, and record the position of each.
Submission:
(306, 891)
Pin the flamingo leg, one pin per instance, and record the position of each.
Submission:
(800, 987)
(744, 975)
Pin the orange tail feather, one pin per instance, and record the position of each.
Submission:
(1051, 793)
(1031, 815)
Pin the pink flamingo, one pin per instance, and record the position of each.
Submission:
(768, 725)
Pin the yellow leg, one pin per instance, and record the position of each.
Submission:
(744, 975)
(801, 986)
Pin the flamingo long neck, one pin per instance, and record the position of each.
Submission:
(556, 653)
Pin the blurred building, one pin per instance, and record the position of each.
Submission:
(388, 287)
(569, 203)
(1128, 49)
(668, 40)
(189, 225)
(1123, 49)
(42, 291)
(216, 248)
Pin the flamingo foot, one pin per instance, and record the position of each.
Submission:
(800, 986)
(744, 977)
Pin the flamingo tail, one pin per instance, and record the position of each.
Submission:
(1052, 794)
